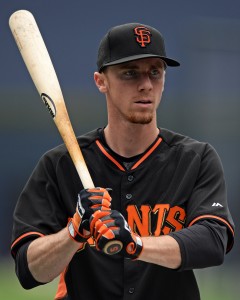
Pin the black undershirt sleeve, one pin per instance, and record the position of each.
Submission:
(202, 245)
(21, 267)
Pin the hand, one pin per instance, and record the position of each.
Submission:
(109, 228)
(89, 201)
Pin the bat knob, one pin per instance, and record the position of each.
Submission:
(113, 247)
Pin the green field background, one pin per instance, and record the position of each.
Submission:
(215, 284)
(10, 288)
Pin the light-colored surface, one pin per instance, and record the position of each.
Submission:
(36, 57)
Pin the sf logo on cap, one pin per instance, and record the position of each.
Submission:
(143, 35)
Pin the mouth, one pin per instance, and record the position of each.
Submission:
(143, 102)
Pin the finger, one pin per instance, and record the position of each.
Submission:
(102, 224)
(99, 202)
(98, 214)
(105, 236)
(100, 191)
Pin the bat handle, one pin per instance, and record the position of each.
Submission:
(113, 247)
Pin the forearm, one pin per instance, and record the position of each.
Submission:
(48, 256)
(163, 250)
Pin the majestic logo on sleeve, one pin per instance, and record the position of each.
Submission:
(143, 36)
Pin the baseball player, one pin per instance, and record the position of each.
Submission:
(159, 209)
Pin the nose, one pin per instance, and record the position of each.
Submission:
(145, 82)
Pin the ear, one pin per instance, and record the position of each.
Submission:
(100, 82)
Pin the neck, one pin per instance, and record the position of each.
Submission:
(130, 139)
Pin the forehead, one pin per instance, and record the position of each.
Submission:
(152, 62)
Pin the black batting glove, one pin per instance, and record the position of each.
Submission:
(111, 231)
(89, 201)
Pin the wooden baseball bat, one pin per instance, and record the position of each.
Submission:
(40, 67)
(38, 62)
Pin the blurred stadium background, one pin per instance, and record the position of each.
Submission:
(201, 99)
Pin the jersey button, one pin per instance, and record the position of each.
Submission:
(131, 290)
(130, 178)
(129, 196)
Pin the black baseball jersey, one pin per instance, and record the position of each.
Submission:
(173, 185)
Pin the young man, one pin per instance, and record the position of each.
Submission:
(161, 210)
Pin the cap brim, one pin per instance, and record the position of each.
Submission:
(169, 62)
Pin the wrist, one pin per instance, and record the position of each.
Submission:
(136, 251)
(74, 234)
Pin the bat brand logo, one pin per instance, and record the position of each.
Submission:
(113, 248)
(49, 104)
(143, 36)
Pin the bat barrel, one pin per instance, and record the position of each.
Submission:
(38, 62)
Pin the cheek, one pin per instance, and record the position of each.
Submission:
(160, 88)
(120, 91)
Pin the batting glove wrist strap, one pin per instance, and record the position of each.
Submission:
(134, 249)
(74, 234)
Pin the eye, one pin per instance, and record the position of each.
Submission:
(130, 73)
(155, 73)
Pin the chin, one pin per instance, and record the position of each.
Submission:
(141, 119)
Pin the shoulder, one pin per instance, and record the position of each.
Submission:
(88, 138)
(202, 152)
(59, 152)
(185, 143)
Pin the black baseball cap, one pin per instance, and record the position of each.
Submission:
(132, 41)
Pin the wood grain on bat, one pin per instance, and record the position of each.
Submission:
(38, 62)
